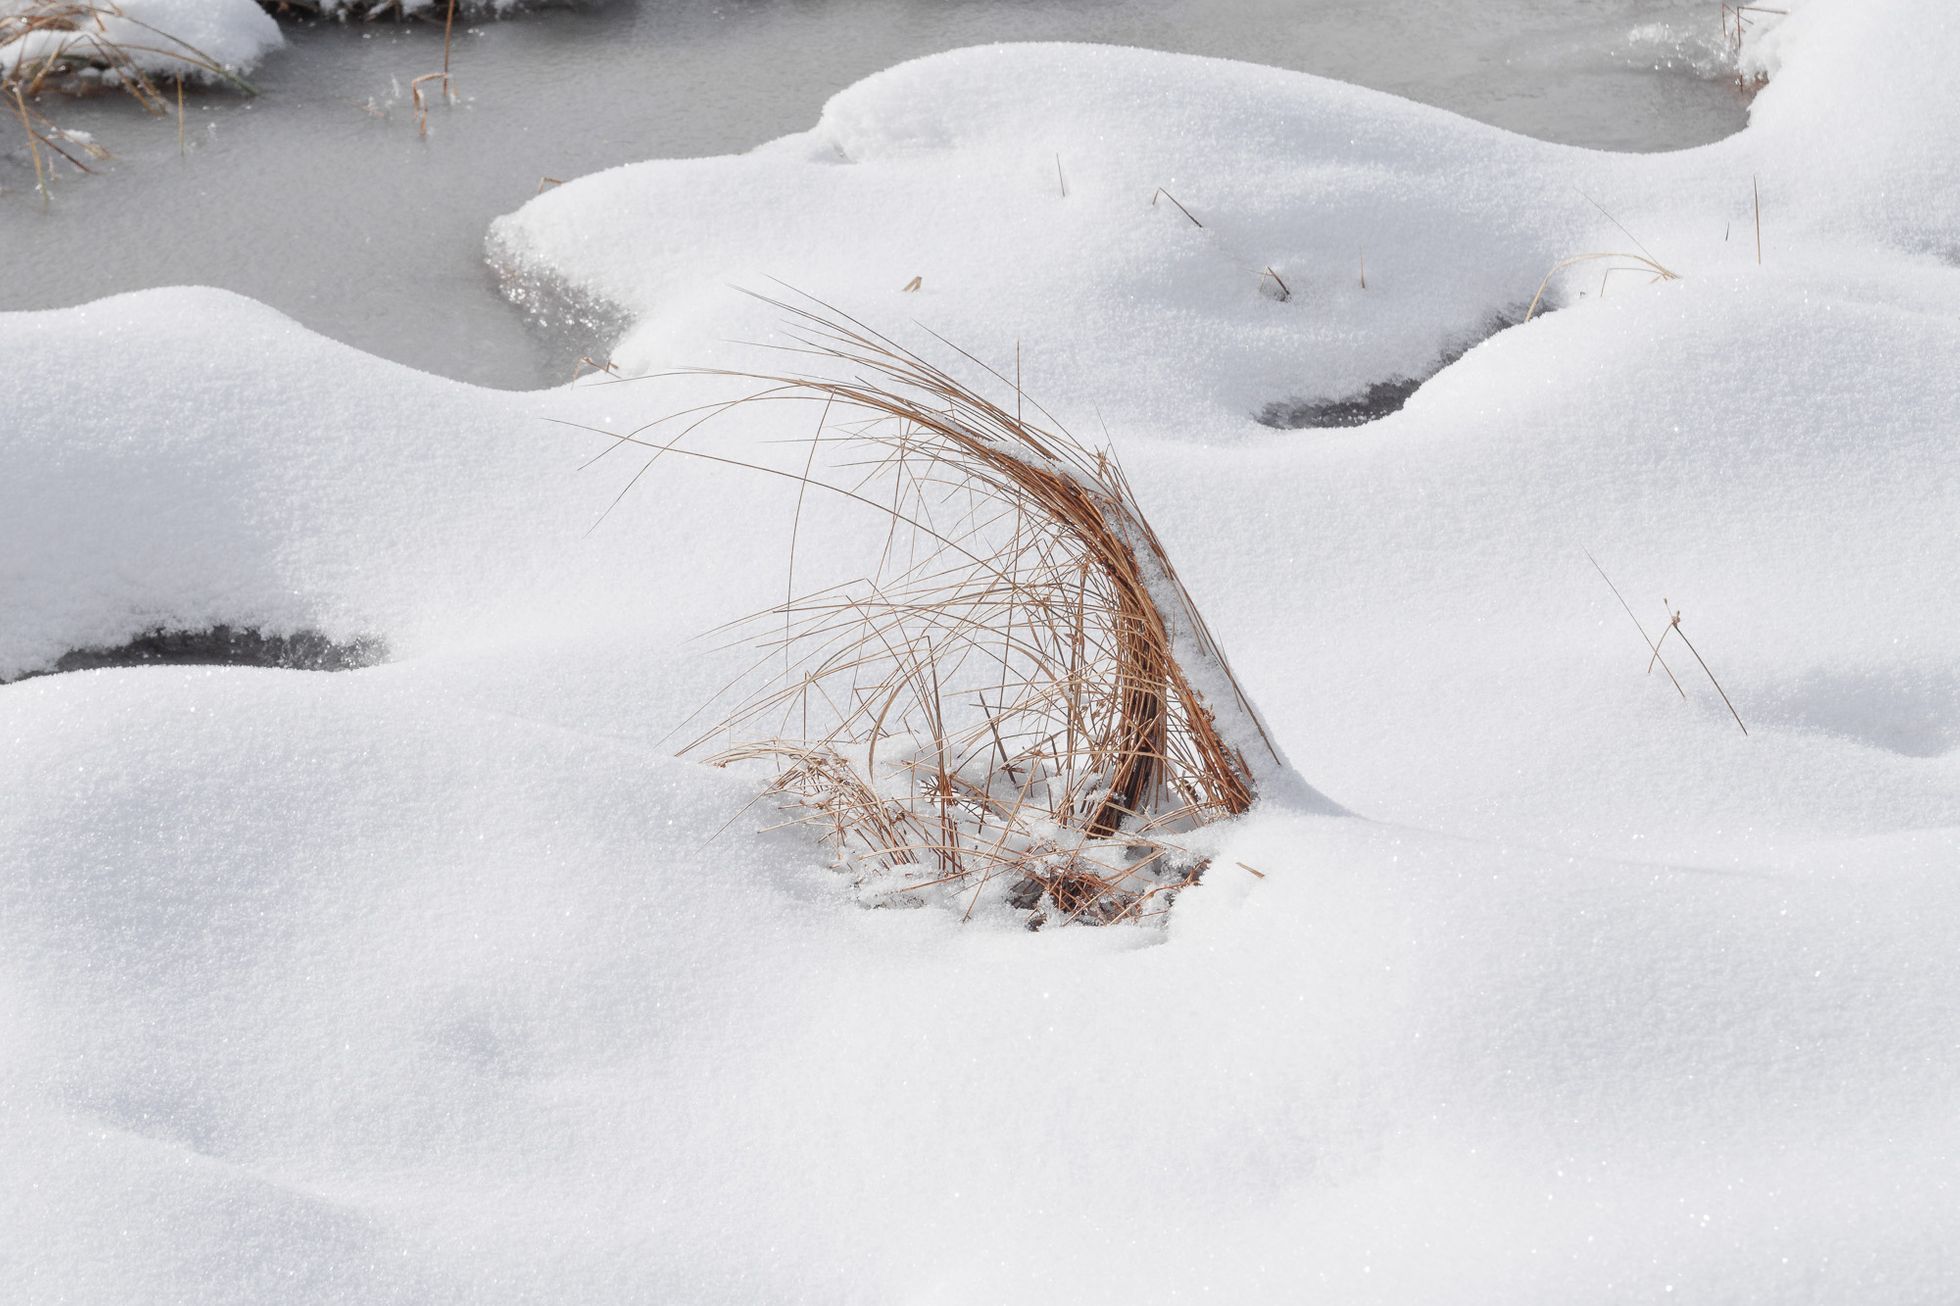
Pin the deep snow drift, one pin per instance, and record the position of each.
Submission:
(440, 980)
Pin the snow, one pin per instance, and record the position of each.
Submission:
(169, 37)
(441, 980)
(1861, 139)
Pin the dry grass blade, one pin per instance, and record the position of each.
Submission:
(1644, 261)
(1020, 706)
(421, 101)
(33, 145)
(448, 91)
(1736, 23)
(1173, 199)
(1674, 628)
(1756, 194)
(1634, 263)
(1653, 646)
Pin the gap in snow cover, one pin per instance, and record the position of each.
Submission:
(1385, 396)
(223, 646)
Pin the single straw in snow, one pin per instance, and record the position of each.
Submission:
(1756, 190)
(1674, 628)
(1173, 199)
(1654, 645)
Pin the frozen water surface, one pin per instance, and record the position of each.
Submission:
(320, 198)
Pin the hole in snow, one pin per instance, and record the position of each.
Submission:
(224, 646)
(1377, 401)
(1383, 397)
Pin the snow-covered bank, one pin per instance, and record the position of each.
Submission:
(1014, 179)
(439, 981)
(674, 79)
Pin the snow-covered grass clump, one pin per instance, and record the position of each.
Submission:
(117, 41)
(136, 46)
(442, 980)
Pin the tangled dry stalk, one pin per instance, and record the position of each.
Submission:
(1020, 708)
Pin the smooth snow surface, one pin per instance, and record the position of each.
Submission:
(441, 981)
(319, 198)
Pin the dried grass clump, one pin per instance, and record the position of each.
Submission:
(66, 46)
(1020, 708)
(76, 53)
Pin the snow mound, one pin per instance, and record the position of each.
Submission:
(1230, 223)
(952, 169)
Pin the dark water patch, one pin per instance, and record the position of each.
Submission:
(1382, 397)
(1377, 401)
(223, 646)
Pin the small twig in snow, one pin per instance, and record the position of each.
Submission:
(1653, 646)
(1180, 208)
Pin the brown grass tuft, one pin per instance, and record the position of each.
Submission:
(1020, 705)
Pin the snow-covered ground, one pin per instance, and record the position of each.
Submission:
(441, 980)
